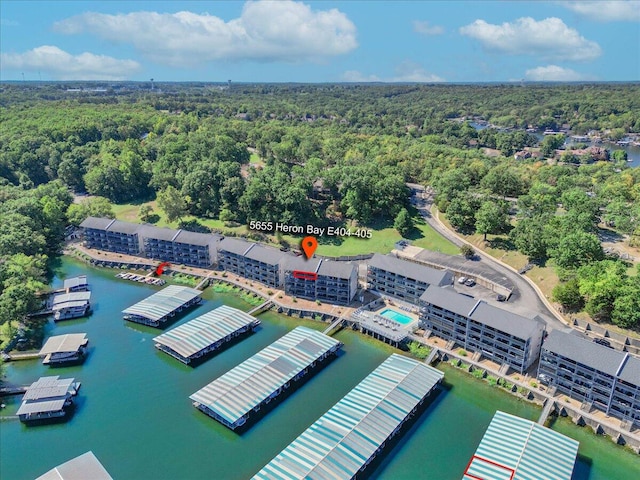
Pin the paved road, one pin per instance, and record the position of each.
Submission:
(524, 298)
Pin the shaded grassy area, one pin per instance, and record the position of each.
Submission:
(7, 331)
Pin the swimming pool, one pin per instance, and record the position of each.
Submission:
(396, 316)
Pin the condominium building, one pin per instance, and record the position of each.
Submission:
(251, 261)
(162, 244)
(111, 235)
(593, 374)
(324, 280)
(476, 326)
(402, 279)
(179, 246)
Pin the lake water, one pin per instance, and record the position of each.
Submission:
(134, 412)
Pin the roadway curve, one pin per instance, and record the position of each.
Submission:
(525, 297)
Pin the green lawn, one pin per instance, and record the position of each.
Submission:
(383, 238)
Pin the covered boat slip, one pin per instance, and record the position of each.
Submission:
(342, 442)
(514, 448)
(83, 467)
(47, 398)
(205, 333)
(64, 348)
(159, 307)
(232, 397)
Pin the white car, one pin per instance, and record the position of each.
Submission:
(461, 280)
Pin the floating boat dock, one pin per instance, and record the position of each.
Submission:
(343, 442)
(205, 334)
(47, 399)
(84, 466)
(71, 305)
(76, 284)
(64, 349)
(157, 309)
(233, 397)
(513, 447)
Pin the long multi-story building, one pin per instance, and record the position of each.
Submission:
(251, 261)
(323, 280)
(476, 326)
(389, 275)
(594, 374)
(111, 235)
(179, 246)
(163, 244)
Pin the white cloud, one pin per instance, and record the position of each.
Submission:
(554, 73)
(549, 38)
(423, 27)
(607, 11)
(266, 31)
(64, 66)
(405, 72)
(5, 22)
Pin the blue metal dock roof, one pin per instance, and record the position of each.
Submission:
(202, 332)
(163, 303)
(341, 442)
(234, 394)
(514, 448)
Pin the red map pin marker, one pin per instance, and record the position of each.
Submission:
(160, 268)
(309, 245)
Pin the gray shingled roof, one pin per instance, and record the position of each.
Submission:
(158, 233)
(631, 370)
(270, 256)
(301, 263)
(123, 227)
(503, 320)
(196, 238)
(508, 322)
(234, 245)
(96, 223)
(584, 351)
(411, 270)
(331, 268)
(449, 300)
(82, 467)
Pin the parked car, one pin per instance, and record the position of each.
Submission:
(461, 280)
(501, 298)
(470, 282)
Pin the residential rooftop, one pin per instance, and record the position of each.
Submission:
(411, 270)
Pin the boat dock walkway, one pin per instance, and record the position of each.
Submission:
(13, 390)
(204, 283)
(549, 407)
(261, 308)
(334, 325)
(12, 357)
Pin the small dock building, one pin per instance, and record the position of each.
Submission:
(156, 310)
(83, 467)
(76, 284)
(47, 399)
(205, 334)
(67, 349)
(233, 397)
(346, 439)
(513, 447)
(71, 305)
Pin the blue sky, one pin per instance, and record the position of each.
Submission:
(321, 41)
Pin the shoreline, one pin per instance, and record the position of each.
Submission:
(532, 393)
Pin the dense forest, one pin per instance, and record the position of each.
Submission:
(326, 154)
